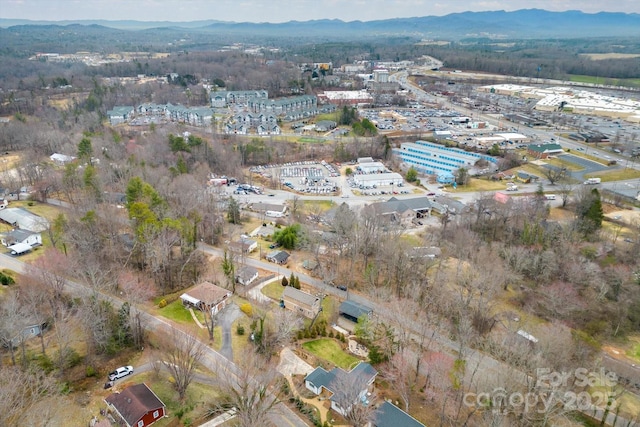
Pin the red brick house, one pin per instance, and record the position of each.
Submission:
(136, 406)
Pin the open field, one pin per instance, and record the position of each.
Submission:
(476, 184)
(328, 349)
(610, 55)
(606, 81)
(616, 174)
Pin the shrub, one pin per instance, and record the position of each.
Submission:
(247, 309)
(6, 280)
(90, 371)
(162, 303)
(331, 333)
(240, 330)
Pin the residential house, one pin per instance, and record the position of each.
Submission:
(389, 415)
(243, 246)
(525, 177)
(206, 296)
(335, 381)
(21, 236)
(301, 302)
(278, 257)
(136, 406)
(22, 218)
(247, 275)
(543, 151)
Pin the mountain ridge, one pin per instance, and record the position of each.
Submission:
(523, 23)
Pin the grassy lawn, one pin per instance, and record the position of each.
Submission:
(602, 80)
(634, 351)
(274, 290)
(412, 239)
(616, 175)
(476, 184)
(311, 140)
(176, 311)
(329, 350)
(317, 205)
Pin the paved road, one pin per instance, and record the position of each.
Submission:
(282, 416)
(487, 366)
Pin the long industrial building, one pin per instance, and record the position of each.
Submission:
(435, 159)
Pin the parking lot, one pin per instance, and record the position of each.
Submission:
(307, 177)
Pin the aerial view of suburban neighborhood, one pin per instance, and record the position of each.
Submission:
(400, 215)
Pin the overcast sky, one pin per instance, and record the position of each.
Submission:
(282, 10)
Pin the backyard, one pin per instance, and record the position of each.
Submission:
(328, 349)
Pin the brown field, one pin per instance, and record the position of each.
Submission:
(606, 56)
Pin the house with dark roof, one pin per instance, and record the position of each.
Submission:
(389, 415)
(333, 382)
(247, 275)
(301, 302)
(278, 257)
(136, 406)
(353, 311)
(525, 177)
(206, 296)
(543, 151)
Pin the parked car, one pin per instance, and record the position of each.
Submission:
(342, 287)
(121, 372)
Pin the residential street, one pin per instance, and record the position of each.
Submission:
(212, 360)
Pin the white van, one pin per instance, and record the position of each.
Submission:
(550, 196)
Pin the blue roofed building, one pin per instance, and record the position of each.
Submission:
(389, 415)
(435, 159)
(353, 311)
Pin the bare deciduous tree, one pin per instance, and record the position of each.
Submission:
(253, 390)
(182, 354)
(22, 397)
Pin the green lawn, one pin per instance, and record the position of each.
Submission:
(317, 205)
(329, 350)
(274, 290)
(311, 140)
(616, 175)
(476, 184)
(176, 311)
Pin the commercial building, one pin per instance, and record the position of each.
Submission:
(378, 179)
(435, 159)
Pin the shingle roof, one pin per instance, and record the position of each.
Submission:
(353, 309)
(208, 293)
(299, 296)
(134, 402)
(362, 374)
(389, 415)
(24, 219)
